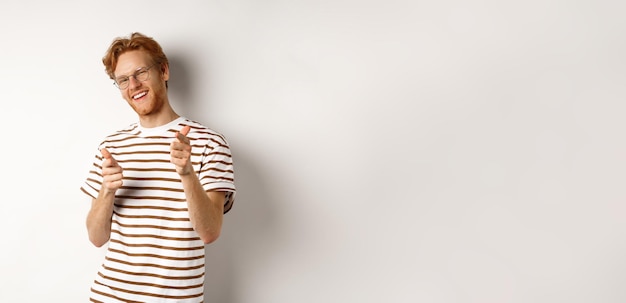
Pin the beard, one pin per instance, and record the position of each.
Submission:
(153, 104)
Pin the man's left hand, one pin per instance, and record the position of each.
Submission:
(180, 152)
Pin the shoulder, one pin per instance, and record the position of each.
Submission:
(121, 134)
(199, 131)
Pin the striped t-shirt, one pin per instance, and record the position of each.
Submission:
(154, 254)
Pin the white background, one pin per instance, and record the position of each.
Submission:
(385, 151)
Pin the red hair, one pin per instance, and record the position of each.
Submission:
(136, 41)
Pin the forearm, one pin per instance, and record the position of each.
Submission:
(99, 218)
(206, 210)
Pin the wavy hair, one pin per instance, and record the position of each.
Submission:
(136, 41)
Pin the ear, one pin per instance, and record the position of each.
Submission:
(165, 71)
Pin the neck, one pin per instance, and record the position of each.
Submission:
(167, 116)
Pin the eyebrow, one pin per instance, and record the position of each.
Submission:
(128, 76)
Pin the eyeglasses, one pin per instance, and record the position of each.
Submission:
(141, 75)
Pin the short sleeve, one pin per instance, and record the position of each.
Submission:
(217, 170)
(93, 181)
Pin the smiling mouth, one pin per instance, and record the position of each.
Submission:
(139, 95)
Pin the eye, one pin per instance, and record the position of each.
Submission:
(122, 81)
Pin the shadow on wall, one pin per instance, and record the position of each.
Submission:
(250, 219)
(180, 92)
(251, 215)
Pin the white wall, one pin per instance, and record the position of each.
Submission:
(385, 151)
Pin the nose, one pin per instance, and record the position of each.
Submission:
(133, 82)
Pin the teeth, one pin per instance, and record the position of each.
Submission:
(137, 96)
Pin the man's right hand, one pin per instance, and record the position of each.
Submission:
(111, 172)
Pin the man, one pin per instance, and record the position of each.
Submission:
(159, 188)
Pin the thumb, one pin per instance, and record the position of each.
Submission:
(185, 130)
(183, 133)
(107, 155)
